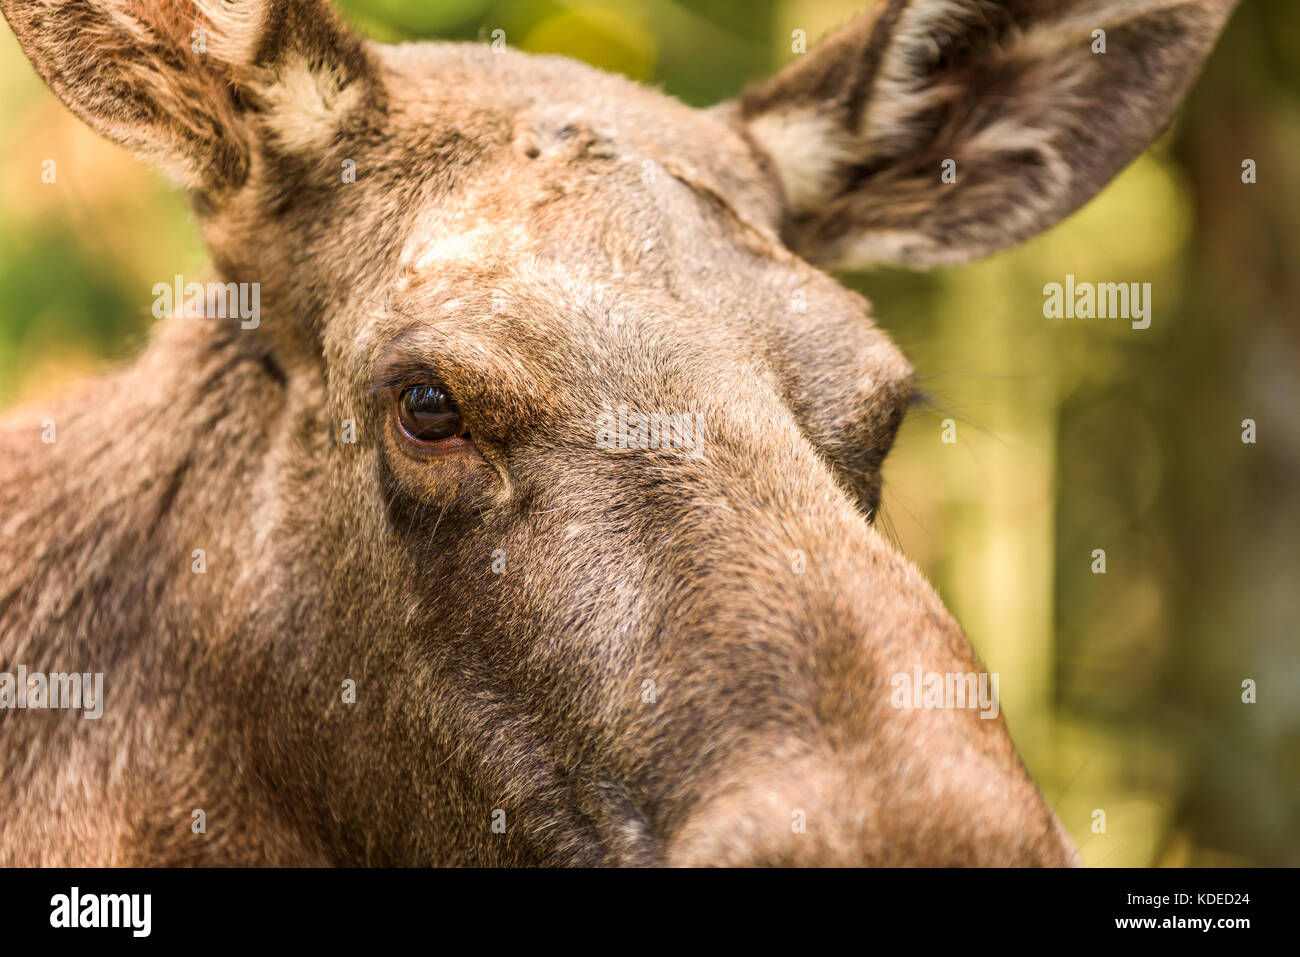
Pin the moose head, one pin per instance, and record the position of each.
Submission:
(533, 515)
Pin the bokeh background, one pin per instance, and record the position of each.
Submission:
(1124, 689)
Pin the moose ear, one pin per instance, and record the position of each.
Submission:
(929, 132)
(190, 83)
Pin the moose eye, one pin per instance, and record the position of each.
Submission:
(427, 414)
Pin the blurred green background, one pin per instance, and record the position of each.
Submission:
(1124, 689)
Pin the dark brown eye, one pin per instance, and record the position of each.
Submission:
(427, 414)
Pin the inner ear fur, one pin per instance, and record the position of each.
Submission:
(1029, 106)
(190, 84)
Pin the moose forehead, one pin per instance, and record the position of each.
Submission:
(620, 239)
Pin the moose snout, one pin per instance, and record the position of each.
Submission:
(823, 811)
(824, 755)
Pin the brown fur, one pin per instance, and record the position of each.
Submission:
(637, 246)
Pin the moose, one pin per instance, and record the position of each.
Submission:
(364, 587)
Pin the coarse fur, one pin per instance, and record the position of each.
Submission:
(549, 243)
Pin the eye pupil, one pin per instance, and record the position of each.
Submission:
(427, 414)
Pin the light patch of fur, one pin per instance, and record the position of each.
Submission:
(455, 248)
(233, 29)
(306, 105)
(458, 248)
(810, 147)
